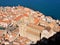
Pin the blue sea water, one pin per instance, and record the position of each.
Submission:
(47, 7)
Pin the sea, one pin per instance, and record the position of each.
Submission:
(47, 7)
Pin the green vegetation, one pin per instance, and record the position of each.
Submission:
(2, 28)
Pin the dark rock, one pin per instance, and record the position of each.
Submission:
(53, 40)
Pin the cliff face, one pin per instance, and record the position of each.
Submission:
(26, 25)
(53, 40)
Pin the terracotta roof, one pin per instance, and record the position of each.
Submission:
(7, 14)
